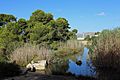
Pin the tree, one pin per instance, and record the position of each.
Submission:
(22, 23)
(41, 27)
(7, 18)
(72, 34)
(9, 37)
(39, 33)
(63, 28)
(74, 30)
(62, 22)
(59, 29)
(23, 27)
(41, 16)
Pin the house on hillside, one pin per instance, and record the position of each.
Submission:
(82, 36)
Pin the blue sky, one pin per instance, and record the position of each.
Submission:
(84, 15)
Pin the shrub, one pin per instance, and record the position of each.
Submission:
(3, 57)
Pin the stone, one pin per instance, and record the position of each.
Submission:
(30, 67)
(39, 65)
(79, 62)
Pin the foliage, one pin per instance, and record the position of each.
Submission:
(41, 29)
(7, 18)
(39, 33)
(41, 16)
(3, 58)
(59, 29)
(9, 39)
(72, 34)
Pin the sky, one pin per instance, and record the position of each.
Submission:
(83, 15)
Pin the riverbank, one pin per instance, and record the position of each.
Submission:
(41, 76)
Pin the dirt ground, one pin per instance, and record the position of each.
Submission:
(38, 76)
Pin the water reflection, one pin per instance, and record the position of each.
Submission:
(59, 68)
(63, 67)
(84, 69)
(69, 66)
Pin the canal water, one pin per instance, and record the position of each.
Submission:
(85, 69)
(70, 66)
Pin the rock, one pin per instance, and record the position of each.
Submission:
(39, 65)
(79, 62)
(30, 67)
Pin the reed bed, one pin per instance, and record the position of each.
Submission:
(106, 50)
(28, 53)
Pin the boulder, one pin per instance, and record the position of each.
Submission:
(39, 65)
(30, 67)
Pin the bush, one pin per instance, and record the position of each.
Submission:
(3, 58)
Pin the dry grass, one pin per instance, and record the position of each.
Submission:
(106, 52)
(27, 53)
(70, 47)
(71, 44)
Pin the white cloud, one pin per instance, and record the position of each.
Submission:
(101, 14)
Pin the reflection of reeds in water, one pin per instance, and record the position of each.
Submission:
(69, 49)
(58, 68)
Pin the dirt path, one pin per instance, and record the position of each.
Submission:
(38, 76)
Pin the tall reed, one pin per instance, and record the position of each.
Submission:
(106, 50)
(27, 53)
(69, 47)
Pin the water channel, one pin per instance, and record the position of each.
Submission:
(85, 69)
(70, 66)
